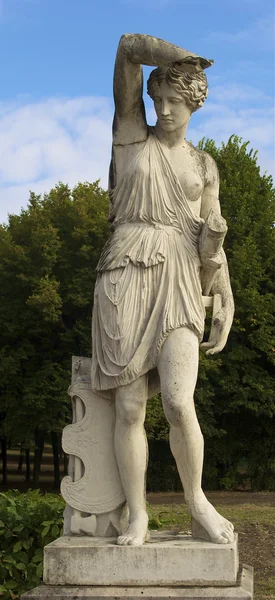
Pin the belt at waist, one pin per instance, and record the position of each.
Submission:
(143, 244)
(168, 228)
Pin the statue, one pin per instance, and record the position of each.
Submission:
(161, 267)
(164, 254)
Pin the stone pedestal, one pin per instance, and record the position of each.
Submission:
(242, 591)
(168, 566)
(166, 560)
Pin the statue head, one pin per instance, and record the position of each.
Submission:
(190, 85)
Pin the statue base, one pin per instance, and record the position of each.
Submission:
(168, 559)
(170, 565)
(242, 591)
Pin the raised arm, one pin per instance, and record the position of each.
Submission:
(135, 50)
(221, 284)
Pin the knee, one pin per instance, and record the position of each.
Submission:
(178, 411)
(129, 411)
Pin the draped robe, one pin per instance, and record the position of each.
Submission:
(148, 280)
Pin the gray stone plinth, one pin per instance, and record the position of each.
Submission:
(167, 560)
(243, 591)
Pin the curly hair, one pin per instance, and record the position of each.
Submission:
(193, 87)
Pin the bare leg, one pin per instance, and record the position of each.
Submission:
(178, 368)
(131, 453)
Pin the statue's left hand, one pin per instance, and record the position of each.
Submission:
(220, 327)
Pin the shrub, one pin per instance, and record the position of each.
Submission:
(27, 523)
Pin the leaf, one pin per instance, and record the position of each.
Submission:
(55, 531)
(24, 557)
(39, 570)
(17, 546)
(11, 501)
(38, 556)
(21, 567)
(45, 531)
(8, 559)
(11, 584)
(18, 529)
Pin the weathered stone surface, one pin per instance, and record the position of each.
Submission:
(167, 560)
(243, 591)
(93, 484)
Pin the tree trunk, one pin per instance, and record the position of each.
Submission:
(4, 460)
(65, 462)
(21, 460)
(28, 465)
(55, 448)
(38, 453)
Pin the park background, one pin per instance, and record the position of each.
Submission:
(55, 131)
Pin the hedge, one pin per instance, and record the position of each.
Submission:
(27, 523)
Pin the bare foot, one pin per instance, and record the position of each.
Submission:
(137, 531)
(218, 528)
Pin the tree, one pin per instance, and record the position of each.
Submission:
(48, 256)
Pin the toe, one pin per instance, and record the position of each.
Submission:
(220, 539)
(134, 542)
(228, 535)
(231, 537)
(228, 524)
(130, 541)
(121, 540)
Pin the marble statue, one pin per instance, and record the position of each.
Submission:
(163, 264)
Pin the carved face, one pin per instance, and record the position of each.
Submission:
(171, 108)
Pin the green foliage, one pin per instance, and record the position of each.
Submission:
(27, 523)
(48, 256)
(156, 424)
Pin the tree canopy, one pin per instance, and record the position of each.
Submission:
(48, 256)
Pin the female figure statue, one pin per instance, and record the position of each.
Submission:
(148, 317)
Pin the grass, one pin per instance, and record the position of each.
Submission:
(255, 526)
(265, 588)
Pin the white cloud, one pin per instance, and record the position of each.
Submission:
(238, 93)
(220, 123)
(241, 110)
(54, 140)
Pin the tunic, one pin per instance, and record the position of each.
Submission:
(148, 280)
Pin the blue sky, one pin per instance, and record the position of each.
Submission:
(56, 82)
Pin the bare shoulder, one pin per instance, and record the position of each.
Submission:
(210, 176)
(209, 167)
